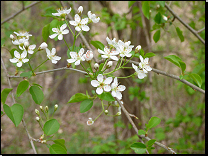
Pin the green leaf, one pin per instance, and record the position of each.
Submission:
(15, 113)
(23, 85)
(60, 142)
(130, 3)
(85, 105)
(138, 147)
(77, 98)
(154, 121)
(2, 41)
(51, 127)
(35, 84)
(97, 45)
(150, 54)
(106, 96)
(2, 112)
(145, 9)
(196, 79)
(181, 77)
(141, 132)
(156, 36)
(161, 3)
(183, 66)
(101, 66)
(151, 142)
(142, 52)
(158, 18)
(4, 94)
(180, 34)
(12, 52)
(37, 94)
(57, 149)
(45, 32)
(26, 74)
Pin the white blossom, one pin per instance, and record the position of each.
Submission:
(43, 46)
(23, 34)
(90, 121)
(19, 59)
(96, 65)
(109, 64)
(124, 48)
(144, 64)
(112, 43)
(109, 54)
(59, 32)
(138, 48)
(101, 84)
(52, 55)
(93, 17)
(80, 24)
(165, 18)
(62, 12)
(141, 74)
(89, 55)
(80, 10)
(116, 90)
(76, 57)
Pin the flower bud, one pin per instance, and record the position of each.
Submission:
(80, 9)
(46, 108)
(43, 141)
(110, 63)
(43, 46)
(41, 137)
(158, 6)
(106, 111)
(118, 113)
(41, 108)
(37, 112)
(55, 107)
(26, 44)
(11, 36)
(137, 48)
(165, 18)
(37, 118)
(96, 66)
(90, 121)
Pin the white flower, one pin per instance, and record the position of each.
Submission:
(109, 64)
(112, 43)
(124, 48)
(141, 74)
(101, 84)
(93, 17)
(51, 55)
(144, 64)
(109, 54)
(89, 55)
(76, 58)
(43, 46)
(37, 118)
(138, 48)
(165, 18)
(11, 36)
(119, 108)
(62, 12)
(96, 66)
(80, 9)
(20, 42)
(116, 90)
(29, 48)
(59, 32)
(80, 24)
(19, 59)
(90, 121)
(23, 34)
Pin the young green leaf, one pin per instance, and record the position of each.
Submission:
(183, 66)
(23, 85)
(4, 94)
(97, 44)
(174, 59)
(151, 142)
(60, 142)
(145, 9)
(45, 32)
(51, 127)
(180, 34)
(77, 98)
(161, 3)
(196, 79)
(130, 3)
(150, 54)
(156, 36)
(154, 121)
(15, 113)
(26, 74)
(86, 105)
(142, 52)
(106, 96)
(37, 94)
(138, 147)
(141, 132)
(57, 149)
(158, 18)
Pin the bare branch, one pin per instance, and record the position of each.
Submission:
(17, 13)
(136, 130)
(186, 25)
(201, 30)
(23, 122)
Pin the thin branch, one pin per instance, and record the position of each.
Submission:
(23, 122)
(136, 130)
(201, 30)
(186, 25)
(17, 13)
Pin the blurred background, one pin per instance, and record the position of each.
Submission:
(180, 108)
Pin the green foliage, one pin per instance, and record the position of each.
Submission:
(37, 94)
(196, 78)
(156, 36)
(145, 9)
(86, 105)
(139, 148)
(15, 113)
(180, 34)
(51, 127)
(106, 96)
(97, 45)
(5, 92)
(45, 32)
(154, 121)
(26, 74)
(78, 97)
(22, 87)
(57, 149)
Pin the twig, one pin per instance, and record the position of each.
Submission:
(23, 122)
(186, 25)
(201, 30)
(17, 13)
(136, 130)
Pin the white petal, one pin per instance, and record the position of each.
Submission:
(60, 37)
(107, 88)
(100, 78)
(77, 18)
(81, 52)
(121, 88)
(25, 60)
(114, 58)
(135, 67)
(19, 64)
(54, 61)
(63, 27)
(77, 63)
(14, 60)
(53, 51)
(32, 46)
(95, 83)
(85, 28)
(104, 56)
(128, 55)
(84, 21)
(119, 95)
(148, 68)
(141, 58)
(53, 36)
(74, 23)
(113, 93)
(100, 51)
(55, 29)
(73, 55)
(99, 90)
(56, 58)
(71, 60)
(65, 31)
(56, 14)
(48, 52)
(24, 54)
(16, 54)
(77, 28)
(108, 80)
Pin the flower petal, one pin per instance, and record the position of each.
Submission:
(100, 51)
(19, 64)
(60, 37)
(100, 78)
(16, 54)
(121, 88)
(74, 23)
(77, 62)
(53, 36)
(54, 61)
(14, 60)
(85, 28)
(114, 58)
(71, 60)
(81, 52)
(119, 95)
(63, 27)
(95, 83)
(24, 54)
(107, 88)
(55, 29)
(84, 21)
(65, 31)
(25, 60)
(108, 80)
(53, 51)
(77, 28)
(99, 90)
